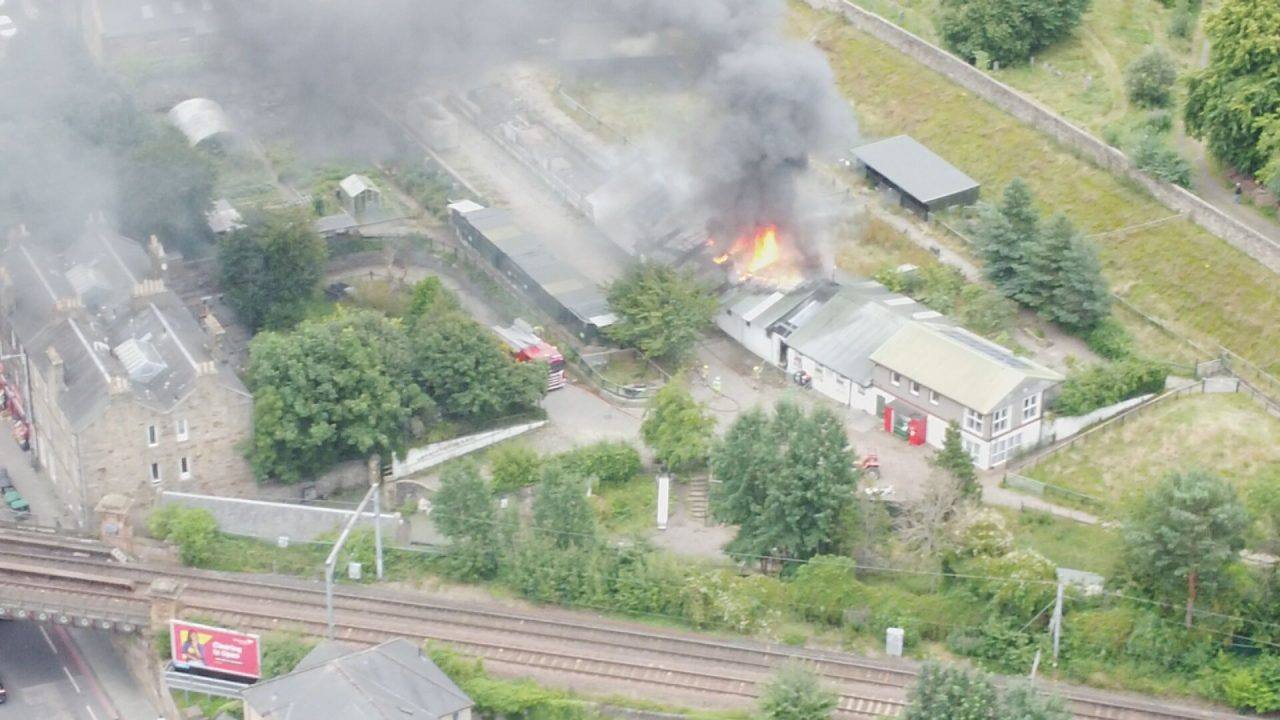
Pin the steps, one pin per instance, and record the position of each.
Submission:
(697, 500)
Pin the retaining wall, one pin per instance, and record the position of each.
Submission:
(1242, 237)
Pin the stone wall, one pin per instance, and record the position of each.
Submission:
(1177, 199)
(271, 520)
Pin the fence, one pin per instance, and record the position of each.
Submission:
(1246, 239)
(1051, 491)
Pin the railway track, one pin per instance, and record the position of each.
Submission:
(553, 643)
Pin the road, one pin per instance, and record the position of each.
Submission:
(47, 672)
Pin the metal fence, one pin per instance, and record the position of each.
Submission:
(1050, 491)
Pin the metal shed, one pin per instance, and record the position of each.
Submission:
(924, 181)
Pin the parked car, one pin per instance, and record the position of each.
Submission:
(12, 497)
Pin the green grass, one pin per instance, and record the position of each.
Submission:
(1176, 271)
(630, 508)
(1229, 435)
(1066, 542)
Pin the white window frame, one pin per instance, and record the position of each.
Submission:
(1004, 448)
(180, 429)
(933, 397)
(1000, 420)
(914, 387)
(153, 435)
(184, 468)
(155, 473)
(895, 379)
(972, 420)
(1031, 407)
(971, 447)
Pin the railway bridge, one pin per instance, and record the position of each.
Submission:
(76, 580)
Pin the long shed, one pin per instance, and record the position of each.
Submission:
(923, 180)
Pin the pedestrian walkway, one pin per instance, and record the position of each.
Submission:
(995, 494)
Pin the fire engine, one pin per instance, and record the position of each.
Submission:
(526, 346)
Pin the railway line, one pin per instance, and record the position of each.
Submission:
(553, 645)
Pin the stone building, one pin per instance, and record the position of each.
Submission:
(121, 31)
(125, 393)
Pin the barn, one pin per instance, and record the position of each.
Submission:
(924, 182)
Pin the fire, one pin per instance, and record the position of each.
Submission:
(753, 253)
(764, 249)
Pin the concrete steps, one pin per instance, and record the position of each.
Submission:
(698, 499)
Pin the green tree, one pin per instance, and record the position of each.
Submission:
(661, 311)
(561, 512)
(1096, 386)
(1006, 234)
(1042, 267)
(810, 492)
(431, 299)
(1006, 31)
(272, 268)
(1078, 296)
(943, 692)
(610, 462)
(468, 373)
(794, 693)
(957, 461)
(1153, 155)
(512, 467)
(1150, 78)
(677, 428)
(464, 511)
(743, 463)
(193, 530)
(1183, 535)
(331, 389)
(1233, 104)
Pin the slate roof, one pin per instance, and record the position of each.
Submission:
(392, 680)
(81, 304)
(914, 168)
(960, 365)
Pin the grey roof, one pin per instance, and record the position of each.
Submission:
(841, 325)
(571, 289)
(337, 223)
(355, 183)
(392, 680)
(123, 18)
(914, 168)
(102, 312)
(762, 306)
(969, 369)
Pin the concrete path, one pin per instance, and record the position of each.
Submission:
(994, 494)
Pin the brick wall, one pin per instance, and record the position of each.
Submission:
(1177, 199)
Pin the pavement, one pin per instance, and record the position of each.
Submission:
(56, 673)
(46, 508)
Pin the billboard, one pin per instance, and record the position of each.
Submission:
(201, 647)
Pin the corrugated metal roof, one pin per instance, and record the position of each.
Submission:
(841, 332)
(914, 168)
(960, 365)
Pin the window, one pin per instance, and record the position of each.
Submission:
(1003, 448)
(915, 387)
(155, 473)
(184, 468)
(1000, 421)
(180, 429)
(895, 378)
(153, 438)
(970, 447)
(972, 421)
(1030, 407)
(933, 397)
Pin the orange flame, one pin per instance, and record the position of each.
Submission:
(764, 249)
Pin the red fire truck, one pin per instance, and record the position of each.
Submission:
(526, 346)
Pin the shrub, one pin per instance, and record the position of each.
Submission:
(1158, 121)
(1183, 21)
(1022, 582)
(1150, 78)
(1253, 687)
(1152, 155)
(823, 588)
(984, 533)
(512, 467)
(193, 530)
(1102, 385)
(609, 462)
(1110, 340)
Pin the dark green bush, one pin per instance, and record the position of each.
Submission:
(1154, 156)
(1255, 686)
(1110, 340)
(1098, 386)
(823, 588)
(609, 462)
(512, 467)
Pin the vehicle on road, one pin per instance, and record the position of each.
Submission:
(526, 346)
(12, 497)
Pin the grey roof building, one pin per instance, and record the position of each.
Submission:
(116, 30)
(924, 181)
(392, 680)
(125, 392)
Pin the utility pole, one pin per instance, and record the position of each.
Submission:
(1056, 623)
(331, 561)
